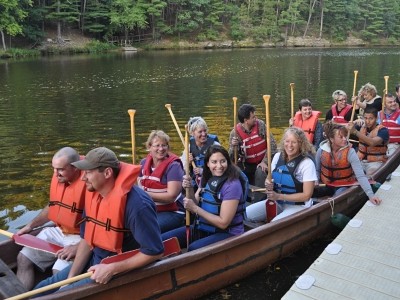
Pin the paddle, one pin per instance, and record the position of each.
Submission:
(131, 113)
(355, 101)
(171, 247)
(292, 100)
(385, 92)
(187, 189)
(32, 241)
(234, 128)
(270, 205)
(168, 106)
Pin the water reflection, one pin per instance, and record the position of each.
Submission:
(82, 102)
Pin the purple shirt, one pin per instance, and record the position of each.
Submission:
(232, 190)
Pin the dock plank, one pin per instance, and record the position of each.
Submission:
(368, 264)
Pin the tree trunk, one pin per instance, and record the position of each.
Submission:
(309, 16)
(83, 15)
(322, 19)
(3, 41)
(59, 38)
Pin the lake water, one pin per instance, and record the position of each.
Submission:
(82, 101)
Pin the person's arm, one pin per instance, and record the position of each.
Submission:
(318, 164)
(370, 141)
(174, 185)
(83, 255)
(145, 230)
(39, 220)
(359, 173)
(318, 135)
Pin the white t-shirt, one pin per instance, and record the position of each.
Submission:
(304, 172)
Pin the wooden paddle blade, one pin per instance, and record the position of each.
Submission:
(171, 247)
(271, 209)
(34, 242)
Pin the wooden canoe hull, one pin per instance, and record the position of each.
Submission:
(197, 273)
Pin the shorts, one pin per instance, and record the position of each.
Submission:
(370, 167)
(44, 260)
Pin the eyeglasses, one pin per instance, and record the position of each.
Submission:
(341, 100)
(160, 146)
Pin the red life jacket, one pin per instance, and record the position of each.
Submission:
(254, 146)
(339, 118)
(392, 126)
(336, 168)
(308, 125)
(66, 204)
(151, 181)
(105, 217)
(372, 154)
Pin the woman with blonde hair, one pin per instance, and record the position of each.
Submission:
(161, 177)
(294, 176)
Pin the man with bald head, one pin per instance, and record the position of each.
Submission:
(65, 207)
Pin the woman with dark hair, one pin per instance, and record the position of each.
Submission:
(338, 165)
(218, 204)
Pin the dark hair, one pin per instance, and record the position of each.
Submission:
(304, 103)
(330, 128)
(232, 171)
(371, 110)
(244, 112)
(390, 95)
(397, 87)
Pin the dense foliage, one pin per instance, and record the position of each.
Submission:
(259, 20)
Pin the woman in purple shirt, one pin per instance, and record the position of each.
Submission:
(218, 205)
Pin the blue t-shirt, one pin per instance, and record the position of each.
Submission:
(141, 219)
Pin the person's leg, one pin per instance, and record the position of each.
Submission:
(170, 220)
(288, 210)
(371, 167)
(28, 258)
(256, 212)
(62, 275)
(67, 240)
(209, 240)
(179, 233)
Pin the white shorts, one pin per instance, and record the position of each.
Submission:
(370, 167)
(44, 259)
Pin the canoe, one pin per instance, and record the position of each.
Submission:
(197, 273)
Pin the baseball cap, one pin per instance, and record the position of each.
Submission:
(98, 157)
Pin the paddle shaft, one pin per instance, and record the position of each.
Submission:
(385, 92)
(131, 113)
(355, 101)
(292, 100)
(168, 106)
(267, 133)
(187, 189)
(6, 233)
(234, 128)
(51, 286)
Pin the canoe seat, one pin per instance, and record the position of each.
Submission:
(9, 283)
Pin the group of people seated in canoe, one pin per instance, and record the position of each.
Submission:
(102, 206)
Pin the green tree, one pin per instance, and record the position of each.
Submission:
(11, 15)
(127, 14)
(63, 12)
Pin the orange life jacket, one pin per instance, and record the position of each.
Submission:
(66, 204)
(391, 125)
(339, 118)
(105, 217)
(372, 154)
(336, 168)
(151, 181)
(308, 125)
(254, 146)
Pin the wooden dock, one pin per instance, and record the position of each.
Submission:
(363, 262)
